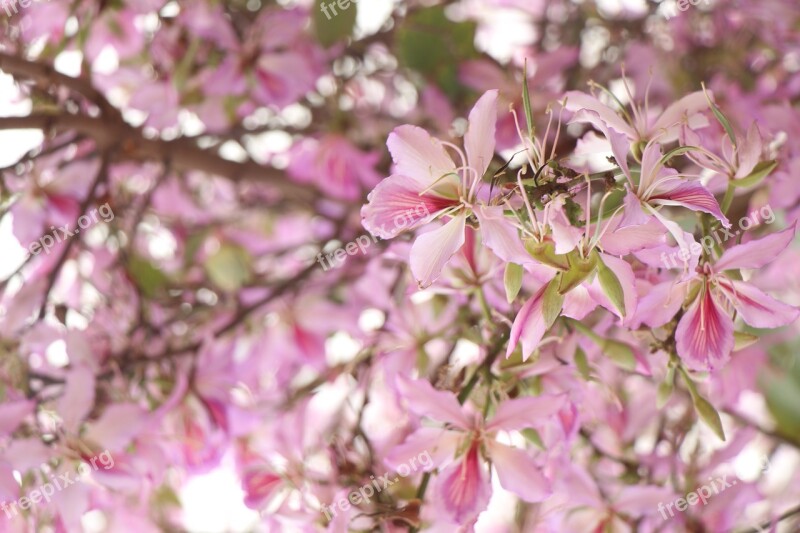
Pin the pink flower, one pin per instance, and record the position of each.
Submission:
(335, 165)
(426, 175)
(704, 335)
(464, 488)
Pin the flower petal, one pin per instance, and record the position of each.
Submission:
(439, 444)
(602, 114)
(756, 308)
(758, 253)
(528, 326)
(694, 196)
(395, 205)
(660, 304)
(418, 155)
(680, 112)
(424, 400)
(479, 140)
(500, 236)
(519, 473)
(633, 215)
(522, 413)
(431, 251)
(464, 488)
(705, 334)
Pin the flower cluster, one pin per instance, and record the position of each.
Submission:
(452, 265)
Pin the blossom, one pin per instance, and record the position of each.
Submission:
(425, 173)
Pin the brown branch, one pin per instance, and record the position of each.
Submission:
(183, 154)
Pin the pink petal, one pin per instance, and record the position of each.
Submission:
(577, 101)
(395, 205)
(756, 254)
(78, 398)
(440, 445)
(528, 326)
(705, 334)
(13, 413)
(661, 303)
(418, 155)
(623, 241)
(578, 303)
(523, 413)
(465, 487)
(651, 168)
(479, 140)
(694, 196)
(518, 472)
(634, 215)
(639, 500)
(424, 400)
(500, 236)
(679, 112)
(749, 152)
(118, 426)
(756, 308)
(431, 251)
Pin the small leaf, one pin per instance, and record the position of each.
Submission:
(545, 252)
(533, 436)
(579, 270)
(665, 388)
(721, 118)
(513, 280)
(709, 415)
(611, 286)
(761, 171)
(552, 302)
(743, 340)
(526, 99)
(229, 268)
(620, 353)
(147, 277)
(582, 364)
(680, 150)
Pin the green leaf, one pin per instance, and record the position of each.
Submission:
(545, 252)
(433, 45)
(611, 286)
(552, 302)
(331, 23)
(582, 364)
(533, 437)
(782, 393)
(680, 150)
(619, 352)
(579, 270)
(709, 415)
(513, 280)
(526, 99)
(721, 119)
(761, 171)
(229, 268)
(743, 340)
(147, 277)
(665, 388)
